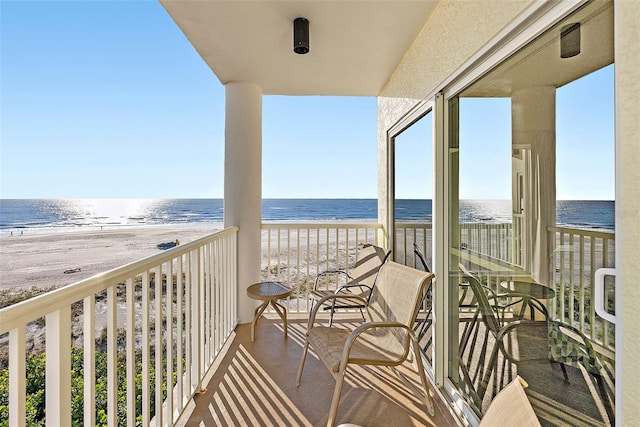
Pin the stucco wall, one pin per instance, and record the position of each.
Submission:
(627, 59)
(454, 32)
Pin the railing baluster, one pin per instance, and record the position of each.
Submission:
(208, 306)
(131, 353)
(169, 350)
(592, 309)
(17, 377)
(146, 414)
(112, 358)
(195, 322)
(180, 357)
(58, 367)
(572, 296)
(581, 283)
(605, 263)
(89, 360)
(158, 346)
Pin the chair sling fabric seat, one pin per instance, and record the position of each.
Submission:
(371, 348)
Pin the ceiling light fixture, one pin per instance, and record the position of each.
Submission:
(570, 40)
(301, 35)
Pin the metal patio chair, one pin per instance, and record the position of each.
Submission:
(385, 340)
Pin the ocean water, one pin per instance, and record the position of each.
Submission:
(54, 215)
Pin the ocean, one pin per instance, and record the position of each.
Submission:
(56, 215)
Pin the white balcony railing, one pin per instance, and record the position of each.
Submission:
(158, 323)
(294, 253)
(194, 306)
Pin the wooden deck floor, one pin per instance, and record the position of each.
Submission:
(255, 386)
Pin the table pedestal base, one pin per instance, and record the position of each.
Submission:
(279, 308)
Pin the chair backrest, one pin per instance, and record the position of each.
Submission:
(510, 407)
(398, 292)
(370, 259)
(420, 256)
(485, 308)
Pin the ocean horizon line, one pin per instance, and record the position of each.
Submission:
(40, 215)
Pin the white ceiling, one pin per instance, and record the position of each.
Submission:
(354, 45)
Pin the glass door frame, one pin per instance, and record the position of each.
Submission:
(419, 111)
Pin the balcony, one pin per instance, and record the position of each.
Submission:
(107, 365)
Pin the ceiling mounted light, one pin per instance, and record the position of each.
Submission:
(570, 40)
(301, 35)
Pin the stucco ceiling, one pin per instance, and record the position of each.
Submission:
(354, 45)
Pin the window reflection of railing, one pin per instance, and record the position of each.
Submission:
(160, 322)
(577, 255)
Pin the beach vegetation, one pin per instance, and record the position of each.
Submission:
(36, 389)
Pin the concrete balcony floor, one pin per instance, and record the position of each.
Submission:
(255, 386)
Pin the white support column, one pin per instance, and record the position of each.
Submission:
(533, 117)
(243, 184)
(627, 90)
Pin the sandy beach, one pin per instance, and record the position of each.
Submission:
(40, 260)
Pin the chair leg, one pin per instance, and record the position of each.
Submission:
(304, 357)
(423, 378)
(564, 373)
(611, 413)
(333, 412)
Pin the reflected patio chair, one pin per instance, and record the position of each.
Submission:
(423, 324)
(385, 340)
(539, 341)
(360, 281)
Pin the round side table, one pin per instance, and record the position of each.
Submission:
(270, 293)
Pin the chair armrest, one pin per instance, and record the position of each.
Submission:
(512, 326)
(354, 285)
(527, 298)
(327, 273)
(334, 297)
(355, 334)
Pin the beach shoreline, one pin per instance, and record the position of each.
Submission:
(39, 260)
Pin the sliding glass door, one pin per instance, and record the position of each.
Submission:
(530, 222)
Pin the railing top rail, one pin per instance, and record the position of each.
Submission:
(34, 308)
(320, 224)
(581, 231)
(411, 224)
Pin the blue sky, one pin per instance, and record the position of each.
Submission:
(109, 99)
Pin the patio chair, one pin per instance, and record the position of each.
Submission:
(511, 407)
(539, 342)
(359, 282)
(385, 340)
